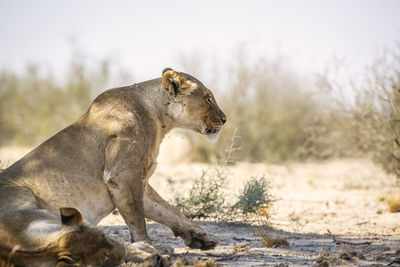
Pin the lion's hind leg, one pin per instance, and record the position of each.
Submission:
(29, 229)
(23, 237)
(18, 209)
(16, 198)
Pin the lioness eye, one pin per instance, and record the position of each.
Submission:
(208, 99)
(66, 259)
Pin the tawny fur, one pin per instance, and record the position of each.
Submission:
(103, 161)
(72, 244)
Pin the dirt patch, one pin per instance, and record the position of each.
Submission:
(303, 249)
(345, 197)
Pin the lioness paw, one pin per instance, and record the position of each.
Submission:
(141, 252)
(201, 240)
(142, 246)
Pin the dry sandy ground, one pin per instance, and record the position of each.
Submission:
(348, 197)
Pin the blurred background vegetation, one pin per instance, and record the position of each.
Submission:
(274, 114)
(280, 117)
(35, 105)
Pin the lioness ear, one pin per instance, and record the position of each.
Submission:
(172, 81)
(71, 217)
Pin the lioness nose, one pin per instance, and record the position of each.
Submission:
(223, 120)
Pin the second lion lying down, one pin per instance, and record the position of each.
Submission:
(103, 161)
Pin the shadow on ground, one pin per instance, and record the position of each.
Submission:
(240, 246)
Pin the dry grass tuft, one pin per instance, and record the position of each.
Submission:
(207, 263)
(394, 204)
(263, 211)
(326, 260)
(180, 262)
(199, 263)
(347, 253)
(241, 249)
(273, 241)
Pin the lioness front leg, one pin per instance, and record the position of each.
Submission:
(157, 209)
(124, 181)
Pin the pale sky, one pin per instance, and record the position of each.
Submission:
(146, 36)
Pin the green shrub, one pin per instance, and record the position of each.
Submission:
(254, 195)
(205, 197)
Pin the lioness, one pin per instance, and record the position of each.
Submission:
(70, 243)
(103, 161)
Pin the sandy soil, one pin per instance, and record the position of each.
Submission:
(348, 197)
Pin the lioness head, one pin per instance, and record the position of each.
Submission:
(192, 105)
(75, 245)
(85, 246)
